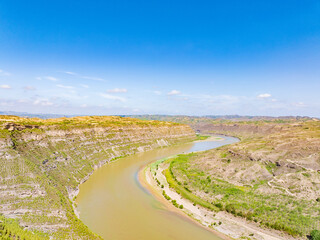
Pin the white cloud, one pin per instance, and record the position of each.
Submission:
(70, 73)
(108, 96)
(51, 78)
(93, 78)
(84, 77)
(174, 92)
(63, 86)
(157, 92)
(5, 86)
(117, 90)
(84, 105)
(29, 88)
(84, 85)
(3, 73)
(42, 102)
(299, 104)
(264, 95)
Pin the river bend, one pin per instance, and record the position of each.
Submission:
(114, 205)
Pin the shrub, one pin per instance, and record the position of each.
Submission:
(315, 235)
(157, 181)
(174, 202)
(219, 205)
(165, 195)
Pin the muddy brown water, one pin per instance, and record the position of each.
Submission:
(113, 204)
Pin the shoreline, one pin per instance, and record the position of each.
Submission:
(221, 224)
(142, 178)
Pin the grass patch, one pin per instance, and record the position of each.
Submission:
(202, 137)
(270, 167)
(10, 229)
(186, 193)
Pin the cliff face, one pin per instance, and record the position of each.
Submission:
(240, 130)
(44, 161)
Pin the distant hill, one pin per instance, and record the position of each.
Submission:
(34, 115)
(209, 118)
(167, 118)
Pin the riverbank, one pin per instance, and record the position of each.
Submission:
(223, 224)
(148, 182)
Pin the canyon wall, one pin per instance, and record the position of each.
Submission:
(44, 161)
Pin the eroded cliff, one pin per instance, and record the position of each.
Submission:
(44, 161)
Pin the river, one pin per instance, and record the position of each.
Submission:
(113, 204)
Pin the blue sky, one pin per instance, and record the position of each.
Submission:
(160, 57)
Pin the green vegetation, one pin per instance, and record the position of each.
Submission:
(202, 137)
(166, 196)
(278, 211)
(315, 235)
(10, 229)
(270, 167)
(185, 193)
(174, 202)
